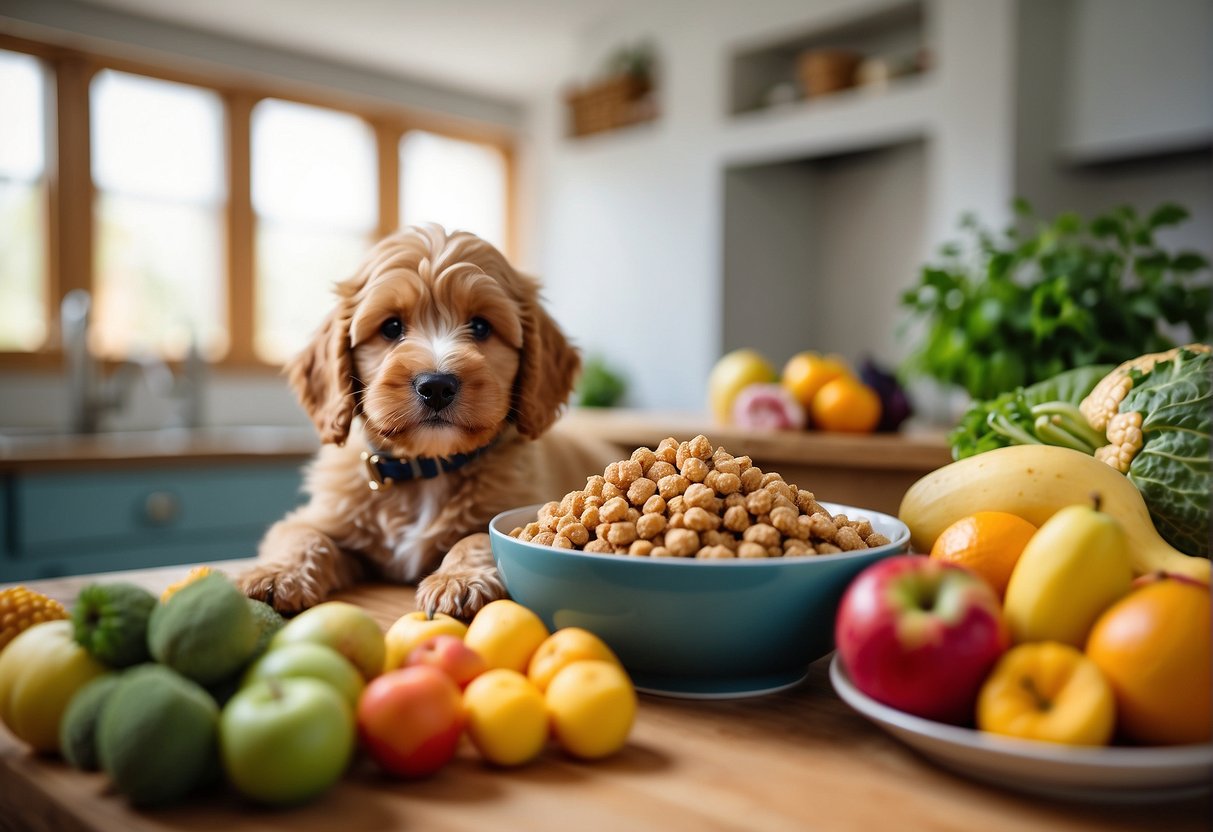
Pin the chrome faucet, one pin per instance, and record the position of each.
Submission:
(91, 396)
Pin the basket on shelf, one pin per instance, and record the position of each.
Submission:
(615, 102)
(825, 71)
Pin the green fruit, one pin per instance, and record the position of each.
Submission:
(157, 737)
(305, 659)
(205, 631)
(110, 621)
(78, 730)
(269, 622)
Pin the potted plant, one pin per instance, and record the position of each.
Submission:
(1018, 307)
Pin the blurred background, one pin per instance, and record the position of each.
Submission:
(182, 183)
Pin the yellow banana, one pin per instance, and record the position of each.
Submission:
(1034, 482)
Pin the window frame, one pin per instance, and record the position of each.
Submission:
(71, 195)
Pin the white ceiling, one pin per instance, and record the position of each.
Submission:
(508, 48)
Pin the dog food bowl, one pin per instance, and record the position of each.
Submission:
(710, 629)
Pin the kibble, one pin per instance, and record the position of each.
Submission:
(690, 500)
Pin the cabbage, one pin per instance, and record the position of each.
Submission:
(1172, 467)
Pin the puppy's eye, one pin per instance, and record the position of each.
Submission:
(480, 328)
(392, 329)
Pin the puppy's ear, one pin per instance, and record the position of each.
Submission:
(322, 374)
(548, 370)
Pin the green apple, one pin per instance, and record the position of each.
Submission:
(284, 741)
(348, 629)
(314, 661)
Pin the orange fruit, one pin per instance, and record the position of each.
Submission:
(988, 543)
(1154, 646)
(807, 372)
(845, 404)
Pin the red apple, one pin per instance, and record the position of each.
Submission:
(450, 655)
(921, 635)
(410, 720)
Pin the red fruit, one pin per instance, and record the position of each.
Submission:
(921, 635)
(410, 720)
(450, 655)
(767, 407)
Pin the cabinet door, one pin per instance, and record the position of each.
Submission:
(73, 523)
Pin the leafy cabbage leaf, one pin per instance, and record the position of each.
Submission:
(1172, 470)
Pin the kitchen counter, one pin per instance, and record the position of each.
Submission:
(796, 760)
(23, 452)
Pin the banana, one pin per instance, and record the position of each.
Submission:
(1035, 482)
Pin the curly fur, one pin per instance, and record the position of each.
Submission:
(357, 387)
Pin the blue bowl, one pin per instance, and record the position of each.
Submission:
(693, 628)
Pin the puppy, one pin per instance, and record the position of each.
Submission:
(427, 383)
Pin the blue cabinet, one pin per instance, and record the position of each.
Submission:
(57, 523)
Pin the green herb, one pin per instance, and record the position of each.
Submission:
(1045, 297)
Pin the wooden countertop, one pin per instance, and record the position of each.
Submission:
(797, 760)
(172, 446)
(913, 451)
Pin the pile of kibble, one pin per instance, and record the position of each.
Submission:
(686, 499)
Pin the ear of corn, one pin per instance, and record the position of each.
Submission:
(22, 608)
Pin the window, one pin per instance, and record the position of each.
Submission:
(23, 208)
(314, 181)
(198, 210)
(459, 184)
(158, 166)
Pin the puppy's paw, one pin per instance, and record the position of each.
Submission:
(286, 590)
(459, 592)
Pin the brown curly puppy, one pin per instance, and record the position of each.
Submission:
(427, 383)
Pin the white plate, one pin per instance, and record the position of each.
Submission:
(1115, 775)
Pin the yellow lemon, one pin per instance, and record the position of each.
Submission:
(562, 648)
(507, 719)
(411, 629)
(592, 705)
(506, 634)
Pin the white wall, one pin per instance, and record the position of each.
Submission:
(629, 232)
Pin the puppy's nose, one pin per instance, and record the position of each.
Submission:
(437, 390)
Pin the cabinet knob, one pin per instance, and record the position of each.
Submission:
(160, 508)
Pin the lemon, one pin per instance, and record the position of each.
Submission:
(507, 719)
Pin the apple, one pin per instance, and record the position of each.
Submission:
(921, 635)
(286, 740)
(314, 661)
(348, 629)
(410, 720)
(413, 628)
(450, 655)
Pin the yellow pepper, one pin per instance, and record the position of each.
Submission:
(1047, 691)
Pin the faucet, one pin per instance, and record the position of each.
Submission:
(90, 396)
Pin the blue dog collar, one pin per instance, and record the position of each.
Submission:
(384, 471)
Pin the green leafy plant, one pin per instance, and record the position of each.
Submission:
(1043, 297)
(599, 385)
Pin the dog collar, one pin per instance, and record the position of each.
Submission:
(383, 471)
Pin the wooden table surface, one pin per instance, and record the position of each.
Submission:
(797, 760)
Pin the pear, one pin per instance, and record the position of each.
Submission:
(1072, 569)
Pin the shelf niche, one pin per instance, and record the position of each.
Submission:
(767, 75)
(818, 251)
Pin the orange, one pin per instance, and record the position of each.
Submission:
(845, 404)
(988, 543)
(1155, 647)
(561, 648)
(807, 372)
